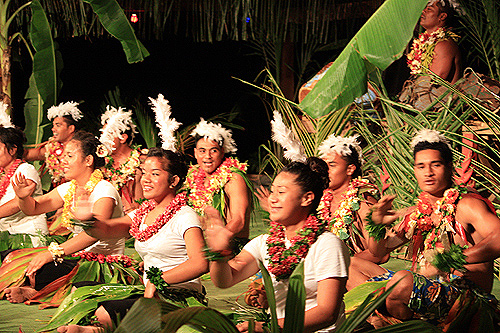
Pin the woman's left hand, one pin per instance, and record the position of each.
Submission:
(150, 290)
(243, 327)
(41, 259)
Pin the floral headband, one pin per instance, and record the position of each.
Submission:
(341, 146)
(117, 122)
(217, 133)
(430, 136)
(65, 109)
(5, 120)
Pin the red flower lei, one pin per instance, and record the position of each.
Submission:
(5, 182)
(173, 207)
(126, 261)
(420, 227)
(53, 154)
(282, 261)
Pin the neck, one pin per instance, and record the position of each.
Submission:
(433, 29)
(434, 197)
(165, 200)
(340, 190)
(121, 150)
(291, 230)
(7, 167)
(84, 176)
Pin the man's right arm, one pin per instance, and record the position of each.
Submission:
(35, 154)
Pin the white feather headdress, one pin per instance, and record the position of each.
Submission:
(65, 109)
(453, 4)
(294, 151)
(117, 121)
(166, 124)
(428, 135)
(5, 120)
(217, 133)
(341, 146)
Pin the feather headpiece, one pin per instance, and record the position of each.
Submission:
(166, 124)
(341, 146)
(294, 151)
(217, 133)
(5, 120)
(65, 109)
(452, 3)
(428, 135)
(117, 121)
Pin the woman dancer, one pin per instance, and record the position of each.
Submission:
(81, 166)
(17, 230)
(294, 196)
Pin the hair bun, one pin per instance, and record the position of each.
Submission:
(321, 168)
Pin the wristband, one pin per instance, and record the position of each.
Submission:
(377, 231)
(57, 252)
(222, 255)
(454, 258)
(154, 276)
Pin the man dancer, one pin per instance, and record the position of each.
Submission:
(454, 237)
(219, 181)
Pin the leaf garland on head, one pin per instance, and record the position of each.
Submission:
(5, 119)
(294, 151)
(166, 124)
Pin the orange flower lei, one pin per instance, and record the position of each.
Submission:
(125, 172)
(53, 153)
(66, 216)
(421, 227)
(343, 217)
(201, 196)
(422, 49)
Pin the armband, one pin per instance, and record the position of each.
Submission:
(377, 231)
(57, 252)
(216, 255)
(154, 276)
(454, 258)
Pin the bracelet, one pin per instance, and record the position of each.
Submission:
(377, 231)
(154, 276)
(454, 258)
(57, 252)
(216, 255)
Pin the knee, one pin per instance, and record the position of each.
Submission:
(403, 281)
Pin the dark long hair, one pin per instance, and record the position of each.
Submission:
(173, 163)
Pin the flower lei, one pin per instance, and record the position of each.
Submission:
(53, 153)
(420, 225)
(422, 50)
(5, 182)
(125, 172)
(201, 196)
(343, 217)
(282, 261)
(125, 260)
(173, 207)
(66, 216)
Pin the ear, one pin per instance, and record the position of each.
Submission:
(123, 138)
(89, 160)
(351, 168)
(71, 128)
(13, 151)
(307, 199)
(443, 16)
(175, 181)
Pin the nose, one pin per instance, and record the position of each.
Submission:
(428, 171)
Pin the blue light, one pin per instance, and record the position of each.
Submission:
(247, 19)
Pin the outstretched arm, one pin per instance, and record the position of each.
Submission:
(24, 188)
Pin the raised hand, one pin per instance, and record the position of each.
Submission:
(217, 235)
(22, 186)
(262, 194)
(383, 212)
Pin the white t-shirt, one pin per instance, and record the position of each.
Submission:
(20, 223)
(328, 257)
(167, 248)
(103, 189)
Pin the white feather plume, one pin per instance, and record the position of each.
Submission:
(65, 109)
(294, 151)
(167, 125)
(5, 120)
(217, 133)
(341, 145)
(117, 122)
(428, 135)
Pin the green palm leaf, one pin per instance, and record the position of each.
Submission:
(377, 44)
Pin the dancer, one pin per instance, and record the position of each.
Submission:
(220, 181)
(454, 235)
(17, 230)
(295, 194)
(122, 160)
(81, 165)
(64, 119)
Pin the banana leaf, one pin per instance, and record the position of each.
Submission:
(271, 299)
(377, 44)
(13, 269)
(113, 19)
(296, 301)
(202, 318)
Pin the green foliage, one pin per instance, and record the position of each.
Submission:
(454, 258)
(376, 45)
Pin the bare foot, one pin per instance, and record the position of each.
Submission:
(79, 329)
(19, 294)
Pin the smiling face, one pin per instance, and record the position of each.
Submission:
(73, 160)
(432, 17)
(209, 155)
(339, 170)
(61, 131)
(288, 203)
(6, 156)
(432, 173)
(156, 182)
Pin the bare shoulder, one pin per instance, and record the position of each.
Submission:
(236, 182)
(447, 46)
(471, 209)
